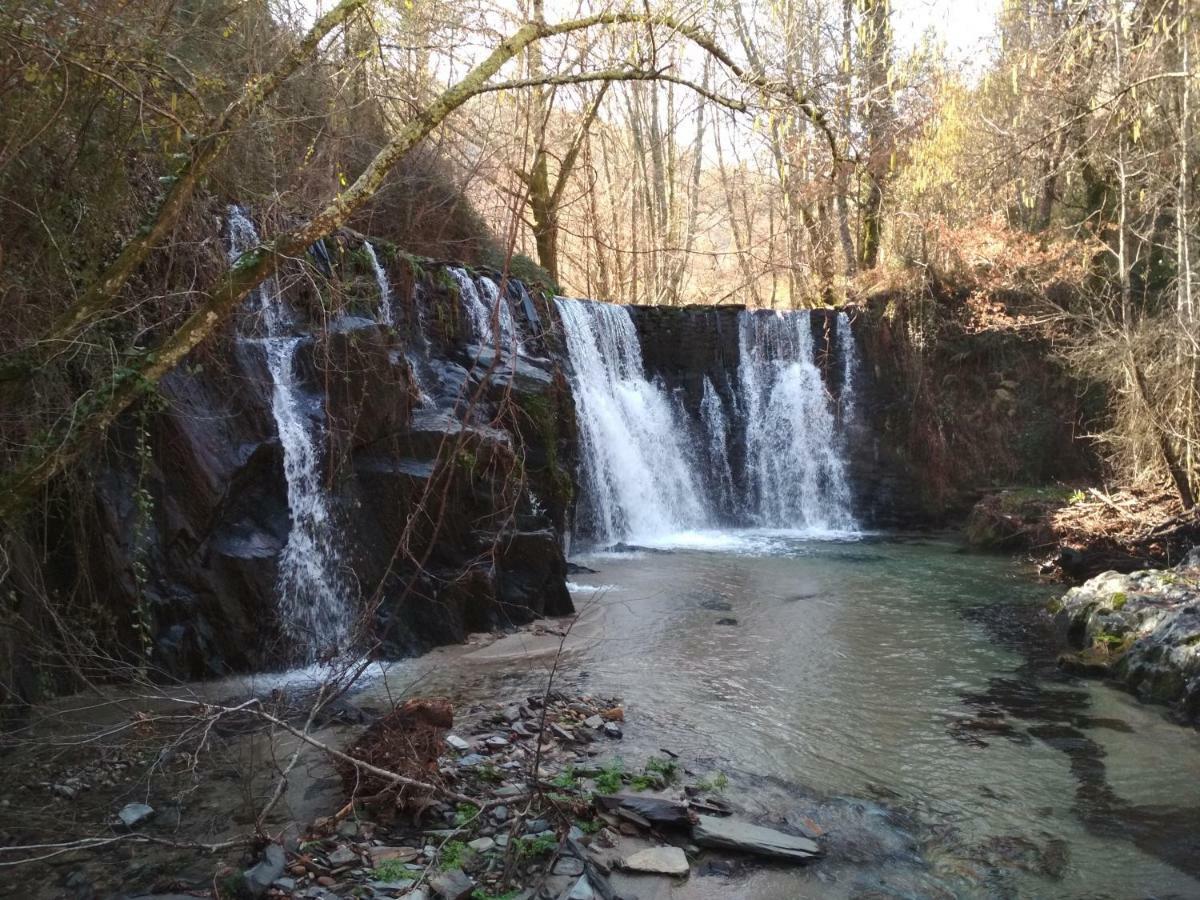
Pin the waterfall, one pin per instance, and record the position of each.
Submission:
(314, 606)
(386, 315)
(485, 309)
(715, 427)
(794, 473)
(503, 314)
(848, 353)
(636, 483)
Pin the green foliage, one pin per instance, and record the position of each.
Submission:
(451, 855)
(465, 813)
(566, 778)
(667, 768)
(715, 783)
(522, 268)
(1119, 599)
(587, 826)
(481, 894)
(611, 777)
(540, 845)
(391, 870)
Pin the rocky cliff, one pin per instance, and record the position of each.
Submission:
(445, 469)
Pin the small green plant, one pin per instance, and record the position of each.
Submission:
(1076, 497)
(542, 845)
(1119, 600)
(610, 778)
(451, 855)
(1113, 643)
(643, 782)
(489, 772)
(587, 826)
(391, 870)
(715, 784)
(565, 779)
(667, 768)
(465, 813)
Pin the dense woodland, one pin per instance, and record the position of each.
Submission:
(773, 154)
(997, 249)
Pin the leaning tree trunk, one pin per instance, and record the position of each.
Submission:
(101, 296)
(94, 414)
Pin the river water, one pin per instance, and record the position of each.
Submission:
(898, 693)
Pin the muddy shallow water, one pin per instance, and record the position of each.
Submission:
(907, 688)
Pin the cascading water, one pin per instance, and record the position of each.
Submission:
(794, 472)
(314, 606)
(715, 427)
(485, 309)
(636, 482)
(386, 316)
(492, 300)
(848, 353)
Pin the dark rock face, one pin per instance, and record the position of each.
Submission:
(448, 468)
(447, 471)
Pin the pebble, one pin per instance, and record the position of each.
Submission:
(457, 743)
(482, 845)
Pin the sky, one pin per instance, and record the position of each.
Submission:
(965, 26)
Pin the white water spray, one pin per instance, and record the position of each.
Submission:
(636, 482)
(314, 600)
(794, 473)
(386, 315)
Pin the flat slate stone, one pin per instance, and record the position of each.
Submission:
(657, 861)
(657, 810)
(380, 855)
(729, 834)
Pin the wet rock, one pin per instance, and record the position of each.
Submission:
(652, 810)
(568, 865)
(1142, 629)
(728, 620)
(260, 876)
(612, 730)
(730, 834)
(717, 605)
(582, 890)
(342, 856)
(457, 743)
(134, 814)
(453, 884)
(657, 861)
(482, 845)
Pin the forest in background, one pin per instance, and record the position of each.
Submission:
(781, 154)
